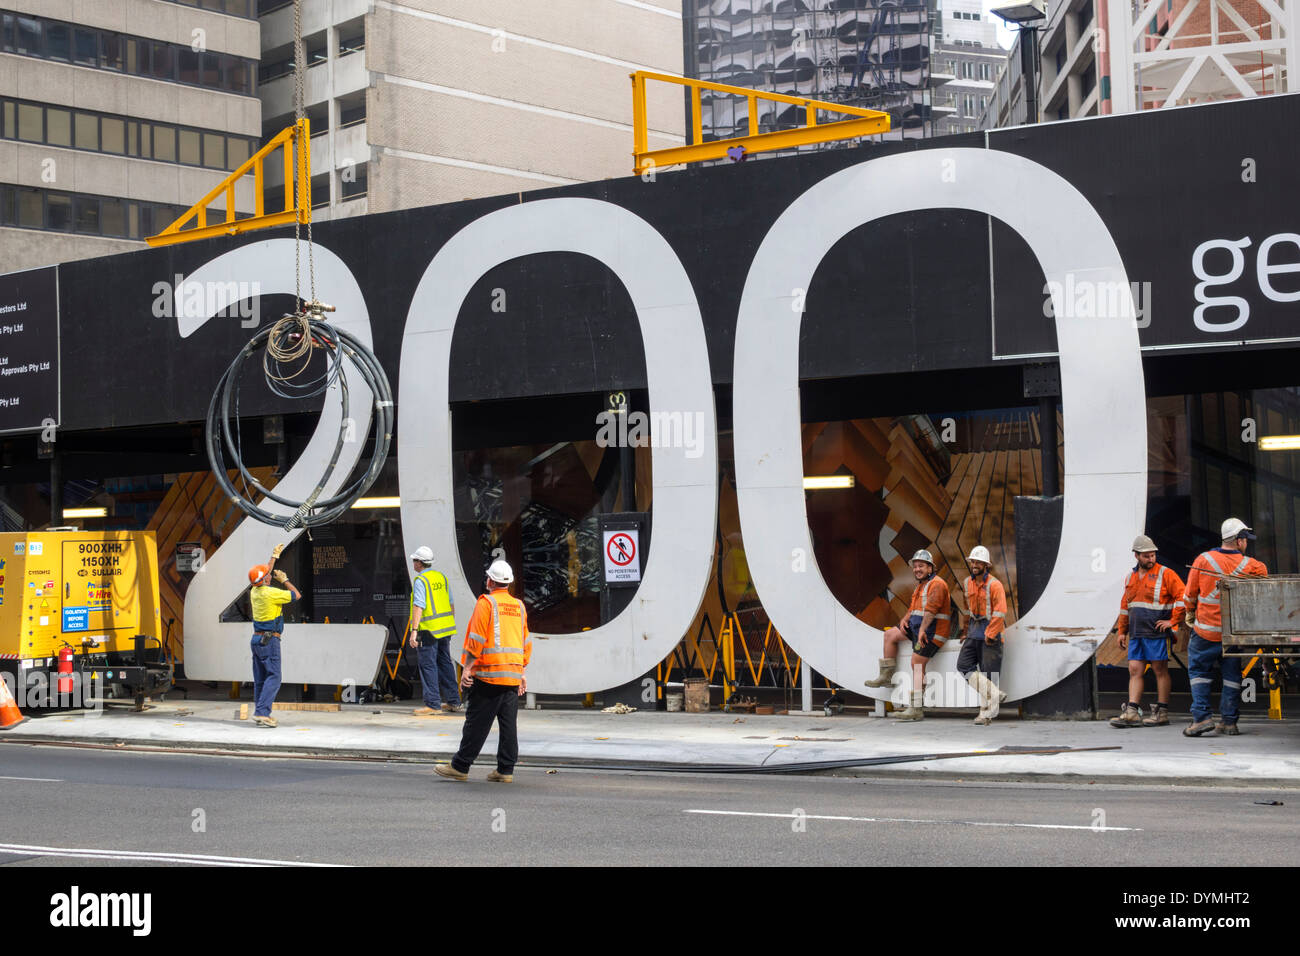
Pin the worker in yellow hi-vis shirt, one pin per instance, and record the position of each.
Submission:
(268, 624)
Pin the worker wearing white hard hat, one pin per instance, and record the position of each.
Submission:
(1149, 615)
(925, 626)
(497, 650)
(433, 622)
(1205, 649)
(980, 660)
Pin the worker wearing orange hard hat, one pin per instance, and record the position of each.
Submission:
(268, 624)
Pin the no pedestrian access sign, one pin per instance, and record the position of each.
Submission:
(622, 565)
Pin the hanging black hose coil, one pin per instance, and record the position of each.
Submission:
(290, 344)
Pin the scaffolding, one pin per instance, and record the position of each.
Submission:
(872, 54)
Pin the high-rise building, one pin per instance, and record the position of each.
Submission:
(868, 53)
(968, 54)
(115, 117)
(415, 102)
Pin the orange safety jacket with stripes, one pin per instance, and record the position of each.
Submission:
(931, 595)
(986, 600)
(1149, 598)
(1202, 595)
(497, 643)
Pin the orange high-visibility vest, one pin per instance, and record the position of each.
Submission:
(497, 642)
(1150, 597)
(987, 600)
(932, 595)
(1202, 595)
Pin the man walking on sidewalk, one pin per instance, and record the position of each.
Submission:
(980, 660)
(497, 651)
(433, 622)
(1205, 650)
(1149, 614)
(926, 627)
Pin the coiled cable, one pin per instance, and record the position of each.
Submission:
(290, 343)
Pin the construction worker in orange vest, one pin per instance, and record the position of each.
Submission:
(1205, 650)
(926, 627)
(1149, 614)
(496, 653)
(980, 660)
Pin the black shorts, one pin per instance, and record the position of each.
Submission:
(927, 649)
(978, 654)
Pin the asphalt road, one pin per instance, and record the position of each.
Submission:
(128, 808)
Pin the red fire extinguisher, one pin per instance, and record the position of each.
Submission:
(65, 669)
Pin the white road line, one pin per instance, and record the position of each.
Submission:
(961, 823)
(34, 779)
(150, 856)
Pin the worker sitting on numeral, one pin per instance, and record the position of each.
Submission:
(268, 624)
(926, 627)
(1149, 614)
(1205, 650)
(980, 660)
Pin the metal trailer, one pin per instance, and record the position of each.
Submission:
(1261, 621)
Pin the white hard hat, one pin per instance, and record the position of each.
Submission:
(423, 554)
(1142, 544)
(1236, 528)
(500, 572)
(923, 555)
(979, 553)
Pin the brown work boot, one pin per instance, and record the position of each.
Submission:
(1130, 716)
(424, 712)
(1159, 717)
(497, 777)
(265, 721)
(886, 679)
(451, 708)
(1198, 727)
(450, 772)
(1227, 728)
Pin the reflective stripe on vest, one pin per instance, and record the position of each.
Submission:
(437, 615)
(501, 663)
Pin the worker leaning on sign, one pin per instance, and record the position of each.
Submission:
(1149, 614)
(268, 624)
(497, 650)
(433, 622)
(980, 660)
(926, 627)
(1205, 650)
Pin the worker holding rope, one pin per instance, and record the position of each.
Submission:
(268, 625)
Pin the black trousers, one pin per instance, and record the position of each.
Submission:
(488, 702)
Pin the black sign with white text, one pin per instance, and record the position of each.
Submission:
(29, 350)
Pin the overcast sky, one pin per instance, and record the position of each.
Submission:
(1005, 36)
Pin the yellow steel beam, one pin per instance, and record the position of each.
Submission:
(294, 138)
(862, 122)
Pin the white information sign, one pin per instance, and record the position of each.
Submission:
(622, 564)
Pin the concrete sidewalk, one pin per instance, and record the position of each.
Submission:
(1266, 754)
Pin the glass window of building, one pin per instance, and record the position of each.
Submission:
(86, 215)
(164, 144)
(58, 212)
(86, 47)
(190, 147)
(30, 210)
(30, 123)
(87, 128)
(214, 151)
(58, 127)
(112, 135)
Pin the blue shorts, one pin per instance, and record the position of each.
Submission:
(1148, 648)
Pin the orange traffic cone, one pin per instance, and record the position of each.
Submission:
(10, 715)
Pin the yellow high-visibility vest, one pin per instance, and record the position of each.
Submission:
(437, 615)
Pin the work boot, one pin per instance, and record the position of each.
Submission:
(450, 772)
(886, 679)
(1159, 717)
(1228, 728)
(1130, 716)
(424, 712)
(451, 708)
(265, 721)
(497, 776)
(913, 710)
(1198, 727)
(991, 697)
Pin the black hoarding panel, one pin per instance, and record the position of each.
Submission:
(29, 350)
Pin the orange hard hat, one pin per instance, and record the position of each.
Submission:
(257, 572)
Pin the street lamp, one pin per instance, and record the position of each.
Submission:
(1026, 14)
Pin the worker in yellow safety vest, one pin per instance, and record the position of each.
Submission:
(433, 622)
(497, 650)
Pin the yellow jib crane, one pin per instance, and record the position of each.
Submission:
(861, 122)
